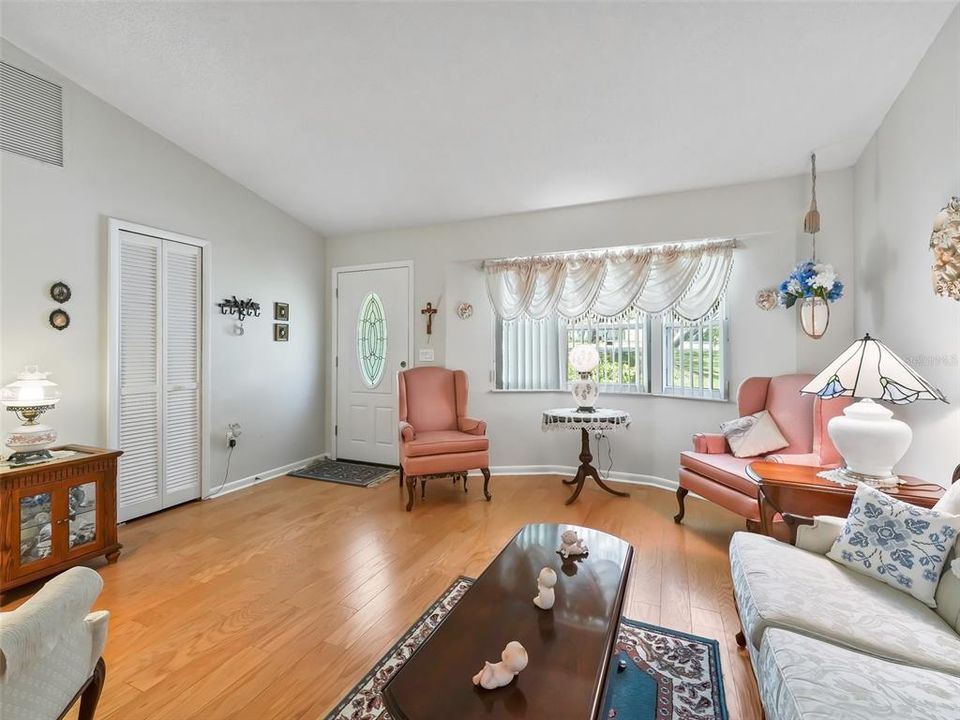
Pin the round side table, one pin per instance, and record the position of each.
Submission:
(586, 422)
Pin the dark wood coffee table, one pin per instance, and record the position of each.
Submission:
(568, 647)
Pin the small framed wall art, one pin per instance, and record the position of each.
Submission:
(60, 292)
(281, 311)
(59, 320)
(281, 332)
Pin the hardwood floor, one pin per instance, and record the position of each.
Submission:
(273, 601)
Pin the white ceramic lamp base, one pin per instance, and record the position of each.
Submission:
(585, 392)
(871, 443)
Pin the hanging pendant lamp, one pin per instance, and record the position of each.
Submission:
(812, 285)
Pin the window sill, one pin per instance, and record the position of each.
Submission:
(612, 393)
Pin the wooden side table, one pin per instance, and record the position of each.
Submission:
(586, 422)
(797, 490)
(57, 514)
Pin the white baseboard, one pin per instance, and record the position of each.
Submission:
(624, 477)
(252, 480)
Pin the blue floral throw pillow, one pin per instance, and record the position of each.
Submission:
(897, 543)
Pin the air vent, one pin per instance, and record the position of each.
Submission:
(31, 115)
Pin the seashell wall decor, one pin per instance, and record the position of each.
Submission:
(945, 245)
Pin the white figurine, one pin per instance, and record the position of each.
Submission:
(571, 544)
(545, 582)
(494, 675)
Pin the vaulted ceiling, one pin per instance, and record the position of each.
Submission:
(358, 116)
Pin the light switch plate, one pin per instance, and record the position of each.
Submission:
(426, 355)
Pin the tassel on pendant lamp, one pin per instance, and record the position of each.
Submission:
(811, 221)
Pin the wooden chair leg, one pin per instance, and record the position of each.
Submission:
(423, 489)
(401, 477)
(464, 476)
(741, 639)
(486, 483)
(411, 481)
(754, 526)
(681, 496)
(91, 696)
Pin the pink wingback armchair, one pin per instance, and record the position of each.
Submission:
(713, 472)
(436, 436)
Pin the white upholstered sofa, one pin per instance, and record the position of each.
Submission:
(50, 650)
(827, 642)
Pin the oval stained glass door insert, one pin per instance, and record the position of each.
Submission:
(371, 340)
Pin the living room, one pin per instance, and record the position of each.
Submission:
(324, 325)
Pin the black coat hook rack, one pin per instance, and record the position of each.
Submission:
(240, 308)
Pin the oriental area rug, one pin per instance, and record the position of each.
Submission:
(668, 674)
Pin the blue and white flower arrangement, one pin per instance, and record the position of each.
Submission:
(810, 279)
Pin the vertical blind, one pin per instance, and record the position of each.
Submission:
(531, 355)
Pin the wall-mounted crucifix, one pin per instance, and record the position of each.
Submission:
(429, 311)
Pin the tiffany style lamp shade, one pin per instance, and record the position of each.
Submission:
(866, 435)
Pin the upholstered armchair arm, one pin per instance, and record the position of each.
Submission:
(816, 534)
(407, 432)
(794, 458)
(712, 443)
(56, 614)
(472, 426)
(96, 624)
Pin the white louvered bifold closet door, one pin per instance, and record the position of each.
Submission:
(159, 424)
(181, 398)
(139, 491)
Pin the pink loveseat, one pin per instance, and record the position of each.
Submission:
(713, 472)
(437, 438)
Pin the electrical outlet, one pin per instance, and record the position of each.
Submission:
(234, 431)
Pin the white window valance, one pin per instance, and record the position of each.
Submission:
(688, 279)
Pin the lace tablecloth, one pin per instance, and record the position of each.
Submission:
(573, 419)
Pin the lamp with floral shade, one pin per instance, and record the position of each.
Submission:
(870, 441)
(29, 396)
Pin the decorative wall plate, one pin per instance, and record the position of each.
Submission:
(60, 292)
(59, 319)
(281, 332)
(465, 311)
(281, 311)
(767, 298)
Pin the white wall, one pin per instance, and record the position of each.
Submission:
(768, 216)
(54, 228)
(906, 174)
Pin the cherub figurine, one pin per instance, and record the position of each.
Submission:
(571, 544)
(545, 582)
(494, 675)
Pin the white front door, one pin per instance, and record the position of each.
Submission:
(373, 344)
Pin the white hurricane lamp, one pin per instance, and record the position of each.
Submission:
(870, 441)
(29, 396)
(584, 359)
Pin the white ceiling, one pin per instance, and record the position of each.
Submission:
(358, 116)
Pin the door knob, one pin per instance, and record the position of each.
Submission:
(403, 363)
